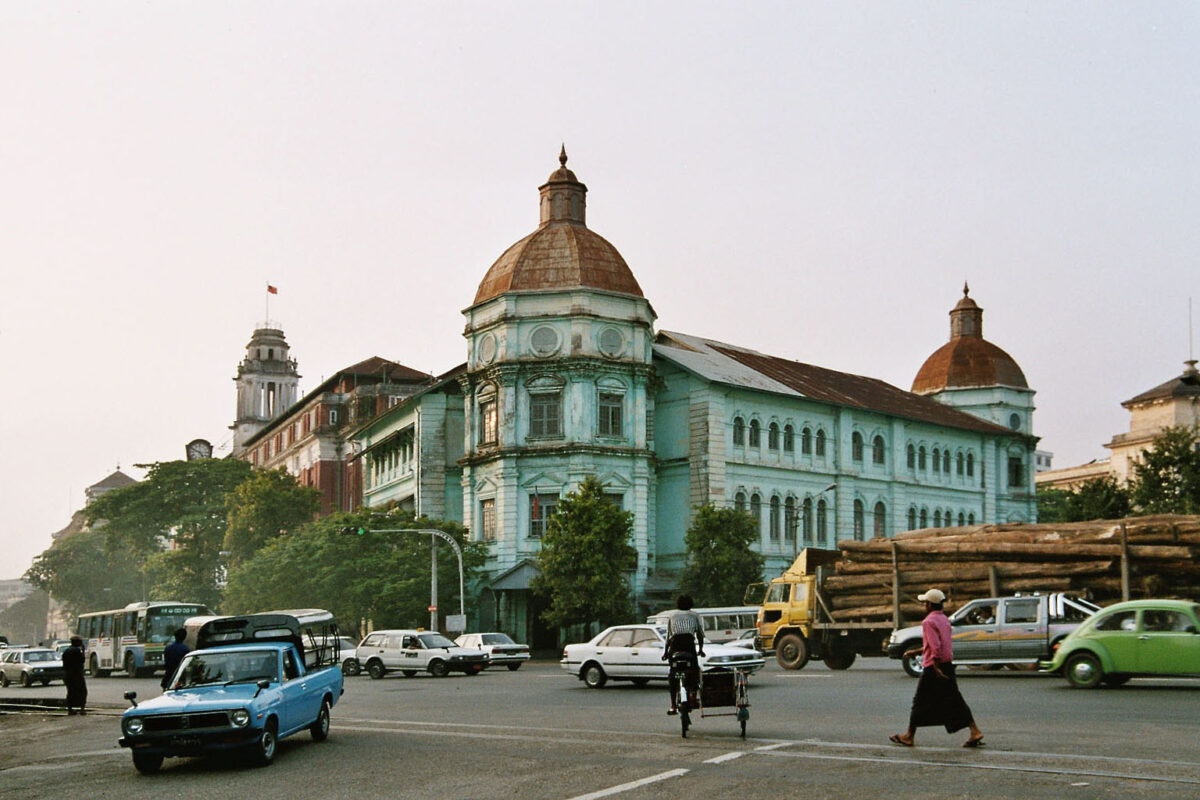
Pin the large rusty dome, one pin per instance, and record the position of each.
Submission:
(967, 360)
(562, 253)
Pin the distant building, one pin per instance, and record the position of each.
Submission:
(12, 591)
(267, 384)
(1173, 403)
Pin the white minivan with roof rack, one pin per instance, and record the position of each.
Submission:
(723, 624)
(413, 651)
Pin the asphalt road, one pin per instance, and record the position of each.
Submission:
(538, 733)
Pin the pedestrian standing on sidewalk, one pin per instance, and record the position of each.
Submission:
(172, 655)
(72, 660)
(937, 700)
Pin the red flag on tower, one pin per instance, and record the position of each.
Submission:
(272, 289)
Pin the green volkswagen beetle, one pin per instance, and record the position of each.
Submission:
(1136, 639)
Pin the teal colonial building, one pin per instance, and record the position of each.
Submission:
(567, 377)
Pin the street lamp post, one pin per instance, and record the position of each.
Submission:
(433, 567)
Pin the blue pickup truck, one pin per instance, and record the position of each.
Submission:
(251, 681)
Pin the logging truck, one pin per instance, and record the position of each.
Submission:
(797, 622)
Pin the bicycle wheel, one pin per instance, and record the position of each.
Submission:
(685, 719)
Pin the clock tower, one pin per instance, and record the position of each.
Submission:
(267, 384)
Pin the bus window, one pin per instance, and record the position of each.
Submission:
(106, 630)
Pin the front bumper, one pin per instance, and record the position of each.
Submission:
(896, 649)
(191, 744)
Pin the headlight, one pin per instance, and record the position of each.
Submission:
(720, 659)
(134, 726)
(240, 718)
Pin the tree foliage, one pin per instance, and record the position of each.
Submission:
(721, 559)
(181, 502)
(376, 576)
(82, 574)
(269, 503)
(1099, 498)
(585, 559)
(1166, 478)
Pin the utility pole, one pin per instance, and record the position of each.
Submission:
(431, 532)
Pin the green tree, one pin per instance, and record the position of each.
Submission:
(1166, 478)
(381, 577)
(181, 502)
(1099, 498)
(269, 503)
(722, 561)
(83, 574)
(585, 558)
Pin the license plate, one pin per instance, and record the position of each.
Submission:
(185, 741)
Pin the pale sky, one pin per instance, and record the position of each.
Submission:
(811, 180)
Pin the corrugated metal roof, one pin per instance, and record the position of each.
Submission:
(748, 369)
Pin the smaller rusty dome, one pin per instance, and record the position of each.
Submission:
(967, 360)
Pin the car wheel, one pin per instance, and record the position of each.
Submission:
(26, 681)
(839, 659)
(791, 651)
(640, 681)
(351, 667)
(408, 673)
(514, 667)
(912, 665)
(3, 680)
(375, 669)
(320, 727)
(1084, 671)
(593, 676)
(147, 763)
(263, 751)
(438, 668)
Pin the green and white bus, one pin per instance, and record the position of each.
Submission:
(132, 638)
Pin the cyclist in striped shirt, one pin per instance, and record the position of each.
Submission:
(685, 640)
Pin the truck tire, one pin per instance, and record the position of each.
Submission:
(147, 763)
(791, 651)
(912, 665)
(94, 670)
(320, 727)
(839, 659)
(262, 752)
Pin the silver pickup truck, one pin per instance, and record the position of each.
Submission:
(1001, 630)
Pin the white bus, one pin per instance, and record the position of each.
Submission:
(132, 638)
(720, 624)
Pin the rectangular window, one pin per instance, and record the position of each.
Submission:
(487, 520)
(610, 415)
(333, 416)
(487, 422)
(541, 509)
(545, 414)
(1016, 472)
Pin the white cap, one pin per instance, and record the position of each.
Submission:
(932, 596)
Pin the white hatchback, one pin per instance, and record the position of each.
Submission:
(635, 653)
(413, 651)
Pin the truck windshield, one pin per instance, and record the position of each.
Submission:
(200, 668)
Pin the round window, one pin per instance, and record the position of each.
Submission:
(1014, 422)
(544, 340)
(487, 349)
(611, 342)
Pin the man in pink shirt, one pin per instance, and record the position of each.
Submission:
(937, 700)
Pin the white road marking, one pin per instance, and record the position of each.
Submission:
(625, 787)
(726, 757)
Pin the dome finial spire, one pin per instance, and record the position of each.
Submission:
(966, 289)
(562, 155)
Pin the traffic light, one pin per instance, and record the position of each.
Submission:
(352, 531)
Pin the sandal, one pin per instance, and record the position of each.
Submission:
(895, 738)
(974, 742)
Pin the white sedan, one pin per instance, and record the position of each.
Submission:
(635, 653)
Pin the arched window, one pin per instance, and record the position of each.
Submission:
(856, 446)
(739, 501)
(946, 462)
(924, 518)
(774, 529)
(789, 439)
(755, 434)
(970, 465)
(789, 519)
(773, 436)
(808, 520)
(948, 518)
(756, 512)
(937, 518)
(921, 458)
(877, 450)
(971, 518)
(880, 519)
(820, 442)
(859, 522)
(958, 464)
(739, 431)
(806, 441)
(911, 456)
(822, 523)
(488, 418)
(937, 460)
(962, 519)
(912, 518)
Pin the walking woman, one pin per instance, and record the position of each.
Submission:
(937, 701)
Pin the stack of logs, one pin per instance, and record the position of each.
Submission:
(1107, 561)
